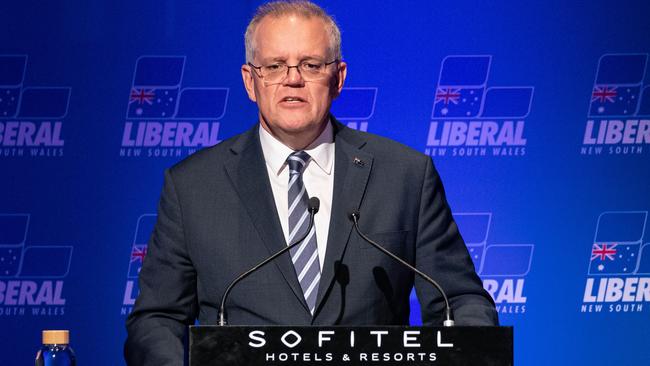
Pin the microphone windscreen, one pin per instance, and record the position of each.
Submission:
(314, 204)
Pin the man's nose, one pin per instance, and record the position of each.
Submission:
(293, 77)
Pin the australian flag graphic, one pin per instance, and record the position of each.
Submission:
(9, 101)
(20, 260)
(12, 72)
(156, 92)
(461, 86)
(617, 243)
(13, 230)
(10, 260)
(462, 92)
(618, 85)
(156, 83)
(138, 252)
(474, 228)
(17, 101)
(495, 259)
(139, 249)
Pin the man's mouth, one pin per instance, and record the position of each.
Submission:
(292, 99)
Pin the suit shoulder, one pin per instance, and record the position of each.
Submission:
(209, 157)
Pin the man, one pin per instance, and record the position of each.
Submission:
(228, 207)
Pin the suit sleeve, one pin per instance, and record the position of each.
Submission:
(166, 304)
(442, 254)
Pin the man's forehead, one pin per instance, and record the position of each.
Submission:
(291, 35)
(292, 19)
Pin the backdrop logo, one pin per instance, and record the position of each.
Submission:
(355, 106)
(164, 119)
(31, 276)
(502, 267)
(619, 112)
(143, 229)
(31, 117)
(619, 266)
(471, 119)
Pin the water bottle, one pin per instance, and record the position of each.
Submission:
(56, 349)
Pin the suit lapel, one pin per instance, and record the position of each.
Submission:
(351, 171)
(248, 174)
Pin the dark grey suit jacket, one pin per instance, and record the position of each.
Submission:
(217, 218)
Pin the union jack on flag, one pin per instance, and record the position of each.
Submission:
(603, 252)
(138, 253)
(612, 258)
(604, 94)
(612, 100)
(457, 102)
(447, 95)
(137, 257)
(157, 103)
(142, 96)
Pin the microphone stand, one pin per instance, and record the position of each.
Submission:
(313, 209)
(449, 321)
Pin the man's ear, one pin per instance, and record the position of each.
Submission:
(247, 76)
(339, 81)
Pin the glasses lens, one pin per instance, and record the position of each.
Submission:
(274, 72)
(309, 71)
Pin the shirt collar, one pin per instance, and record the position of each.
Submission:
(321, 150)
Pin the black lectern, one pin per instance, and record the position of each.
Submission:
(333, 346)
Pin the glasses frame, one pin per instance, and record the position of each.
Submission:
(258, 71)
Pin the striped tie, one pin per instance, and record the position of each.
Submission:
(305, 255)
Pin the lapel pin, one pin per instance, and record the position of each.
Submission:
(359, 162)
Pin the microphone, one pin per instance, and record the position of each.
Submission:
(449, 320)
(313, 206)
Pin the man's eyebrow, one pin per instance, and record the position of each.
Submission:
(312, 57)
(302, 59)
(268, 60)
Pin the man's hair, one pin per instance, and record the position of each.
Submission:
(305, 9)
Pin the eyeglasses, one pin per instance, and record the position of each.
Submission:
(277, 72)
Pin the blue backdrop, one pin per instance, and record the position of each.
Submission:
(537, 116)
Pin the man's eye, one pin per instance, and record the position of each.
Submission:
(311, 66)
(273, 67)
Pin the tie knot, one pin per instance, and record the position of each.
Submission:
(297, 161)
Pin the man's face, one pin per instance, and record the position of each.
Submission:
(293, 107)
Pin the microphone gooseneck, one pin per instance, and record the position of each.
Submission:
(449, 320)
(313, 207)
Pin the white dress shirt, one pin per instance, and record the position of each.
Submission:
(318, 178)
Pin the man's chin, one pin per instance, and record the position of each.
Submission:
(299, 125)
(294, 125)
